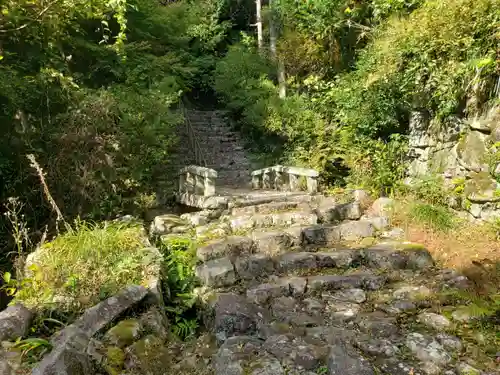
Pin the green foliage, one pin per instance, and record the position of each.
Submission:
(436, 217)
(178, 283)
(431, 189)
(87, 264)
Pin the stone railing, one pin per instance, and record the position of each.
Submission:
(284, 178)
(197, 180)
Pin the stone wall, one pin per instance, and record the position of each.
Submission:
(461, 151)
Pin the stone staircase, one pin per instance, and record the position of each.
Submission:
(306, 285)
(221, 147)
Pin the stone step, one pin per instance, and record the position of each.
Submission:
(249, 222)
(265, 208)
(241, 262)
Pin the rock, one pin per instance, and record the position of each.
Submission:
(165, 224)
(295, 235)
(235, 316)
(265, 365)
(435, 321)
(466, 369)
(427, 349)
(5, 368)
(313, 305)
(354, 295)
(124, 333)
(382, 257)
(344, 360)
(380, 223)
(321, 235)
(355, 230)
(297, 285)
(412, 293)
(254, 267)
(361, 196)
(291, 218)
(217, 272)
(341, 259)
(294, 350)
(272, 243)
(378, 325)
(462, 314)
(68, 355)
(196, 218)
(155, 322)
(264, 292)
(228, 360)
(102, 314)
(394, 234)
(296, 261)
(383, 207)
(342, 311)
(471, 151)
(350, 211)
(334, 282)
(398, 307)
(376, 347)
(449, 342)
(15, 322)
(142, 356)
(232, 246)
(396, 367)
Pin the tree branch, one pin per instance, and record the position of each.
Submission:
(42, 12)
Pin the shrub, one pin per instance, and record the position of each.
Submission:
(85, 265)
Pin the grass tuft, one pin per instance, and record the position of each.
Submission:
(85, 265)
(435, 217)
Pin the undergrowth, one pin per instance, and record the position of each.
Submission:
(178, 283)
(87, 264)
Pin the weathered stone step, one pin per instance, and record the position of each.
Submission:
(302, 286)
(265, 208)
(241, 264)
(247, 222)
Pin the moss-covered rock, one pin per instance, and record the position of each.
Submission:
(115, 360)
(124, 333)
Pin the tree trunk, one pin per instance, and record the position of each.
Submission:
(260, 39)
(273, 36)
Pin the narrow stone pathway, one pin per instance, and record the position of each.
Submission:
(221, 147)
(305, 285)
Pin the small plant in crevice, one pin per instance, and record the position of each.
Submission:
(178, 282)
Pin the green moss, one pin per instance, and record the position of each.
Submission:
(115, 359)
(124, 333)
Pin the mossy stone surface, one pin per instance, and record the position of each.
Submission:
(124, 333)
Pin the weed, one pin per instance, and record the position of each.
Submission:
(436, 217)
(32, 347)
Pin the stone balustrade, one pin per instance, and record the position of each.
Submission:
(197, 180)
(285, 178)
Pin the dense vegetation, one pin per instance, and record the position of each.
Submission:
(88, 98)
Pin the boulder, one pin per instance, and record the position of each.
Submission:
(321, 235)
(272, 243)
(15, 322)
(165, 224)
(356, 230)
(124, 333)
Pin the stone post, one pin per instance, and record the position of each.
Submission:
(312, 184)
(209, 186)
(182, 183)
(294, 182)
(256, 181)
(266, 179)
(199, 185)
(190, 182)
